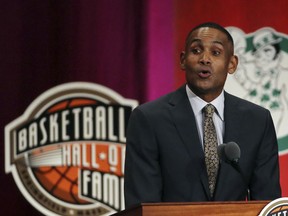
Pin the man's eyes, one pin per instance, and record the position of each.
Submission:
(195, 50)
(198, 51)
(216, 53)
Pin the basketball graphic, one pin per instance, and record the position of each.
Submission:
(67, 151)
(61, 181)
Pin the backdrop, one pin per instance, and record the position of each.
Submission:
(129, 46)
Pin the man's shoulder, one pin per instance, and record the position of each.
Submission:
(232, 100)
(168, 99)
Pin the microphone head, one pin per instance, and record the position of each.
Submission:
(232, 152)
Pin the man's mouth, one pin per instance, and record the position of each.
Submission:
(204, 73)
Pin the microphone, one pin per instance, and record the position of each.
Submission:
(230, 153)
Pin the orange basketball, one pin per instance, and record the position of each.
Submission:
(61, 181)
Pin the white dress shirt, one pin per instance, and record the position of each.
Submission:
(198, 104)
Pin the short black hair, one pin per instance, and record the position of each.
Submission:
(210, 25)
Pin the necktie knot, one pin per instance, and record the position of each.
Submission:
(209, 109)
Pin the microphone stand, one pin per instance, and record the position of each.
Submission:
(233, 160)
(235, 164)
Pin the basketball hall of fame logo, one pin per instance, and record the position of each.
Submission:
(277, 207)
(262, 75)
(66, 152)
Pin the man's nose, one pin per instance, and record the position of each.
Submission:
(205, 59)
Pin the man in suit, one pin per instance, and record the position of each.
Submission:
(165, 153)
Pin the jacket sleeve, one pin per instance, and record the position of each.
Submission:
(142, 170)
(265, 184)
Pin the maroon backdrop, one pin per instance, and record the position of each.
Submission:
(46, 43)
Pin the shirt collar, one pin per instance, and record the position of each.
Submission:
(198, 104)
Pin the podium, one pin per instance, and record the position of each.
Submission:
(249, 208)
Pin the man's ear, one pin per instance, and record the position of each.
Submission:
(233, 64)
(182, 60)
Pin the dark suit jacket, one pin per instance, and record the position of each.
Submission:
(165, 159)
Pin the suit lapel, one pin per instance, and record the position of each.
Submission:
(185, 123)
(233, 119)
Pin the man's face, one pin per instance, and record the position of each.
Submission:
(206, 61)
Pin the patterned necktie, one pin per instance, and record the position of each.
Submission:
(210, 147)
